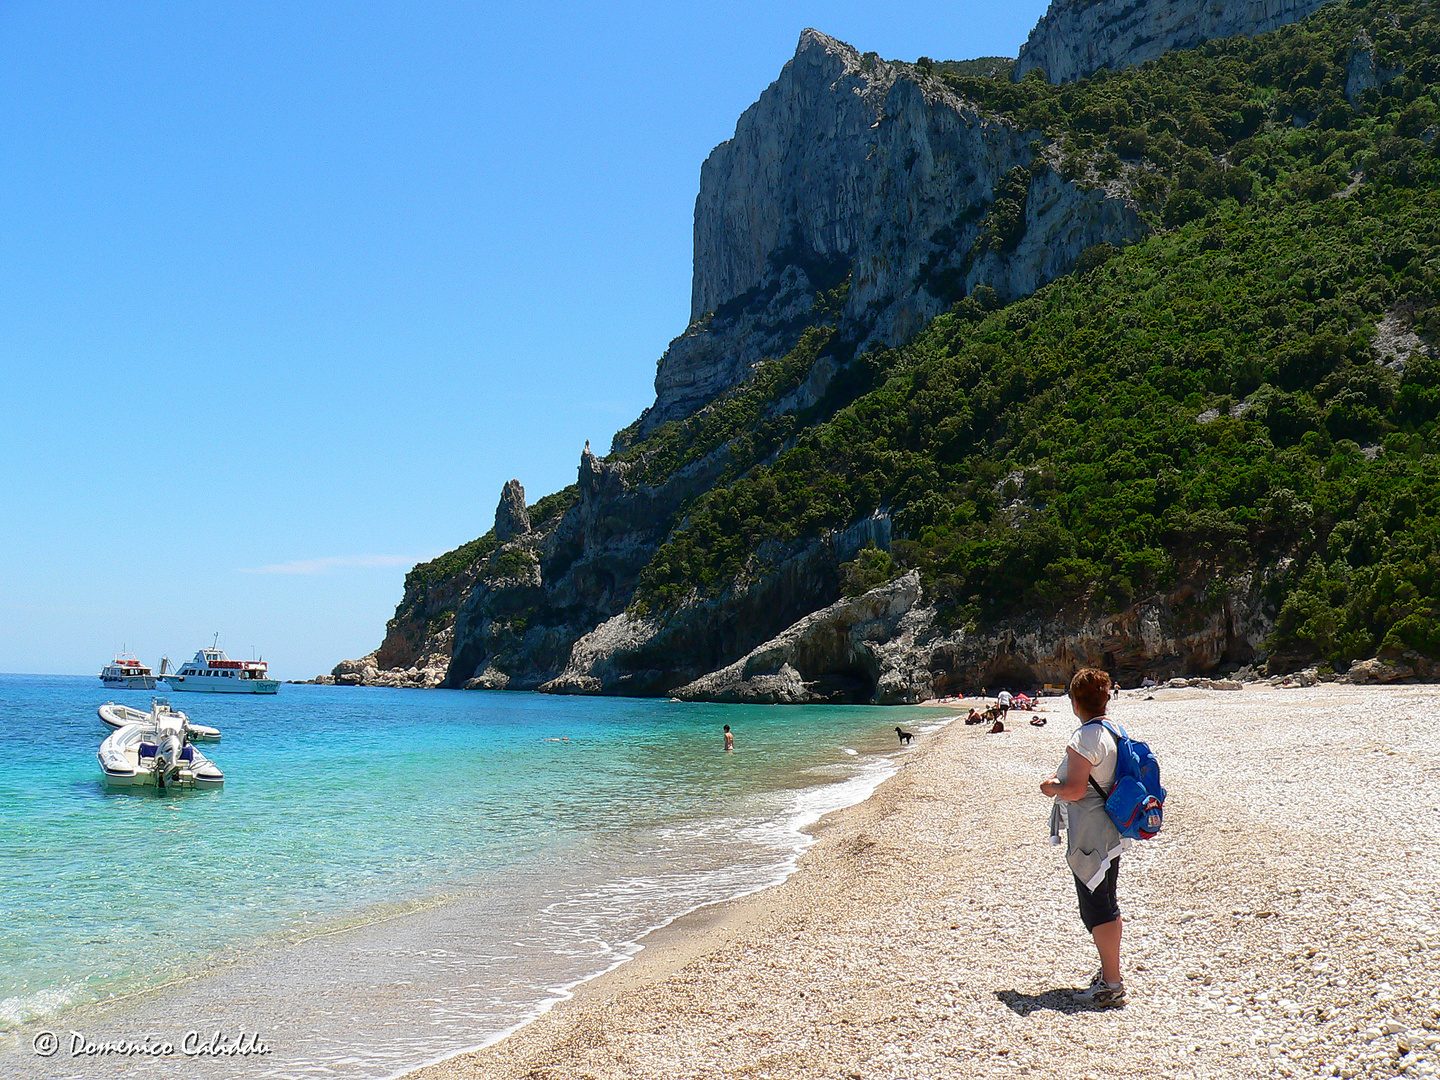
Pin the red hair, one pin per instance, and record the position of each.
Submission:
(1090, 689)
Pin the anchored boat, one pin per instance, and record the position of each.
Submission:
(156, 754)
(215, 673)
(125, 672)
(117, 716)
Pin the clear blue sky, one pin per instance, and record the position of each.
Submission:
(288, 291)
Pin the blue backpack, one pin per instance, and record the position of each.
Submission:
(1136, 802)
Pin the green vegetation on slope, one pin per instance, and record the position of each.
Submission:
(1200, 406)
(453, 563)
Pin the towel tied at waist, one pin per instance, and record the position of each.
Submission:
(1093, 841)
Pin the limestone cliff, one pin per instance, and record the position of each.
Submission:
(888, 647)
(857, 200)
(832, 655)
(574, 568)
(782, 583)
(1076, 38)
(420, 638)
(864, 184)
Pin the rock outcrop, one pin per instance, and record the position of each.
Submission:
(630, 654)
(1076, 38)
(1375, 670)
(1363, 73)
(831, 655)
(1162, 637)
(512, 519)
(1389, 667)
(426, 673)
(856, 190)
(886, 647)
(420, 637)
(543, 589)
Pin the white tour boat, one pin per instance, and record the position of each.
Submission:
(158, 755)
(117, 716)
(213, 672)
(127, 673)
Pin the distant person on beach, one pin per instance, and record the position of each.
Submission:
(729, 740)
(1003, 700)
(1094, 844)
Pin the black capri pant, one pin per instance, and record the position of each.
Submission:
(1101, 906)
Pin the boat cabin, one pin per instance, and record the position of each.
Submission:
(214, 664)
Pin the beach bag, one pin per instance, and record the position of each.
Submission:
(1136, 803)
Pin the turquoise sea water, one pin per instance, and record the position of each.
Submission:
(577, 824)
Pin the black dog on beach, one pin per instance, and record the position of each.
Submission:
(905, 736)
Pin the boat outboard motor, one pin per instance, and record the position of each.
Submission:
(167, 756)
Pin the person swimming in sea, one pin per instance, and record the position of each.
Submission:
(729, 740)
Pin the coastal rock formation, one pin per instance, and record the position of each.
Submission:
(511, 517)
(1076, 38)
(1162, 637)
(887, 647)
(856, 193)
(631, 654)
(1389, 667)
(420, 637)
(830, 655)
(576, 568)
(426, 673)
(861, 187)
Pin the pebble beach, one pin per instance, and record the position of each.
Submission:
(1284, 923)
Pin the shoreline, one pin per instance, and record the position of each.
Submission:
(660, 951)
(931, 929)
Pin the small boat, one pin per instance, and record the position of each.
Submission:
(117, 716)
(125, 672)
(213, 672)
(158, 755)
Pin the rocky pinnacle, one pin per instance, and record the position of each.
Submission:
(512, 519)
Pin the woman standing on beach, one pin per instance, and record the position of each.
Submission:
(1094, 843)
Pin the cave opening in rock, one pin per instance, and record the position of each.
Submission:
(849, 685)
(1012, 673)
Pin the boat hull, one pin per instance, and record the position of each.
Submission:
(129, 682)
(137, 781)
(200, 684)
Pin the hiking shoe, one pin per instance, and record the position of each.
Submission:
(1101, 995)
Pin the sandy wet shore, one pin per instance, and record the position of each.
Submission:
(1284, 924)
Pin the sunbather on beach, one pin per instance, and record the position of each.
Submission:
(1094, 843)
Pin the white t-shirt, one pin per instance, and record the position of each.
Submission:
(1097, 746)
(1004, 698)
